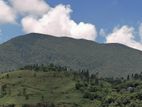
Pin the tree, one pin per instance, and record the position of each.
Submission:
(78, 85)
(26, 97)
(128, 77)
(24, 91)
(7, 76)
(42, 98)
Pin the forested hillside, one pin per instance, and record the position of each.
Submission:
(56, 86)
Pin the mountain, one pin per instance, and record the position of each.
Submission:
(107, 59)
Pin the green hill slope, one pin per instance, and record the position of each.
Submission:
(107, 59)
(51, 86)
(26, 88)
(29, 87)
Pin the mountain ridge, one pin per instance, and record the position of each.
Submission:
(107, 59)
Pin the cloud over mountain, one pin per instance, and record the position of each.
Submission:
(124, 35)
(7, 15)
(57, 21)
(39, 17)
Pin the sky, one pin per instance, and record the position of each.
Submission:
(102, 21)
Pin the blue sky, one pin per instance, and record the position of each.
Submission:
(105, 13)
(122, 15)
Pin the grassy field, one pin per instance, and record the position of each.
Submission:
(68, 89)
(29, 87)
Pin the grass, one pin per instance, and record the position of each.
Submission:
(66, 89)
(54, 87)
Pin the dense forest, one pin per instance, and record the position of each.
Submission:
(56, 86)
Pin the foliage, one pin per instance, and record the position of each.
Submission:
(56, 86)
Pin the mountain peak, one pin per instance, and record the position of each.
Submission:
(107, 59)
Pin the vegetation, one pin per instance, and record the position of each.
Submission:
(56, 86)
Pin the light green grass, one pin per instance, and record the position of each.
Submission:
(54, 86)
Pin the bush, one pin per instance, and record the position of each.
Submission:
(88, 95)
(78, 85)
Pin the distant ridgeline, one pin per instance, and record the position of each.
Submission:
(110, 60)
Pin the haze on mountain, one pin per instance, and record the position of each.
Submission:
(113, 60)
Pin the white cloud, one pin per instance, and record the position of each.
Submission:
(124, 35)
(57, 21)
(37, 16)
(31, 7)
(7, 14)
(140, 31)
